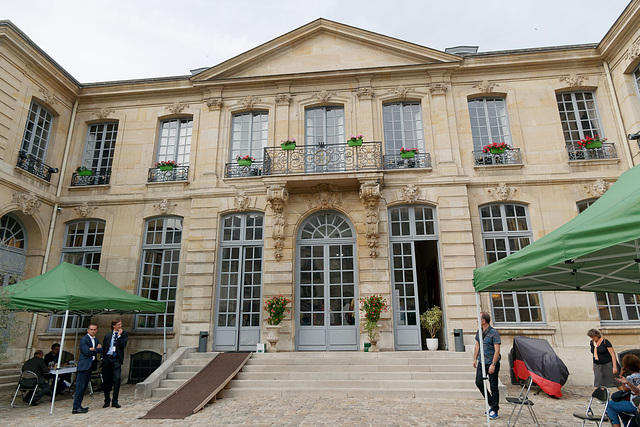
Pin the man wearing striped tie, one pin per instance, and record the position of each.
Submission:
(113, 357)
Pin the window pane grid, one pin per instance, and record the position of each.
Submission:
(36, 132)
(578, 116)
(402, 127)
(489, 121)
(100, 146)
(249, 135)
(175, 141)
(616, 308)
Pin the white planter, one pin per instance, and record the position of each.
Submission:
(432, 344)
(273, 336)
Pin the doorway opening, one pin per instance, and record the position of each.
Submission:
(429, 289)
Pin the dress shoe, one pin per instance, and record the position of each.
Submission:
(116, 405)
(80, 411)
(34, 403)
(106, 404)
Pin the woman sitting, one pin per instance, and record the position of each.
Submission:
(630, 368)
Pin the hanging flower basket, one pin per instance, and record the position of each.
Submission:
(589, 142)
(496, 148)
(245, 161)
(355, 141)
(166, 165)
(408, 153)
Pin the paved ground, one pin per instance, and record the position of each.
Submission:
(299, 411)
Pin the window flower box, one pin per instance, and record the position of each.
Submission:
(288, 144)
(496, 147)
(245, 160)
(166, 165)
(355, 141)
(589, 142)
(84, 171)
(408, 153)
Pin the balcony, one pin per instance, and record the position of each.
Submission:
(98, 177)
(35, 166)
(507, 157)
(234, 170)
(606, 151)
(178, 173)
(420, 161)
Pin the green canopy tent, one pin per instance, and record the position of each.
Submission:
(597, 251)
(71, 289)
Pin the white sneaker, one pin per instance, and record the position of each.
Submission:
(67, 383)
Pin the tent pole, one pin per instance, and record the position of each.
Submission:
(55, 384)
(484, 373)
(164, 337)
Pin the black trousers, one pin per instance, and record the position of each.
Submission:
(111, 370)
(493, 394)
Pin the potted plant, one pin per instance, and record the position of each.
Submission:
(589, 142)
(245, 160)
(166, 165)
(84, 171)
(288, 144)
(431, 320)
(408, 153)
(496, 147)
(373, 306)
(276, 307)
(355, 141)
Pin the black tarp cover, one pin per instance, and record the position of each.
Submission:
(535, 357)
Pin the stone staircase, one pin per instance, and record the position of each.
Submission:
(188, 366)
(418, 374)
(9, 376)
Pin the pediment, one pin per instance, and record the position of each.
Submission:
(322, 46)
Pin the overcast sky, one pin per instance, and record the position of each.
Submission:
(128, 39)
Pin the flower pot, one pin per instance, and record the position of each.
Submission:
(594, 144)
(273, 336)
(165, 167)
(85, 173)
(367, 346)
(496, 150)
(432, 344)
(288, 146)
(408, 155)
(244, 162)
(354, 142)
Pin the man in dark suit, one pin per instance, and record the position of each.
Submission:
(113, 344)
(37, 366)
(51, 358)
(89, 347)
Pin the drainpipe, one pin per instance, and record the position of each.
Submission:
(54, 215)
(616, 109)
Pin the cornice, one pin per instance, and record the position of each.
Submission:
(621, 31)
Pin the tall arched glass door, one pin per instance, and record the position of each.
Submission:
(13, 250)
(326, 291)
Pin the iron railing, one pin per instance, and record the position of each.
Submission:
(178, 173)
(35, 166)
(99, 177)
(507, 157)
(234, 170)
(419, 161)
(606, 151)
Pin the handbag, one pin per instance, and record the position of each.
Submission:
(620, 395)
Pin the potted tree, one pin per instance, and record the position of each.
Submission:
(431, 320)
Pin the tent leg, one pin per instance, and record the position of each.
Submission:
(484, 373)
(164, 338)
(55, 384)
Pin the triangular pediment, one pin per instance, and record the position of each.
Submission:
(323, 46)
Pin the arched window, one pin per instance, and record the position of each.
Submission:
(13, 244)
(143, 364)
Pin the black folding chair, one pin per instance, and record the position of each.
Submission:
(28, 382)
(96, 376)
(521, 401)
(601, 394)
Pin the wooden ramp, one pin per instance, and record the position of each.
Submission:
(201, 389)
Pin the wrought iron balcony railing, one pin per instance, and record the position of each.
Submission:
(234, 170)
(419, 161)
(507, 157)
(35, 166)
(322, 158)
(99, 177)
(606, 151)
(178, 173)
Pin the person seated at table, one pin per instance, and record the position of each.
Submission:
(37, 366)
(631, 382)
(51, 359)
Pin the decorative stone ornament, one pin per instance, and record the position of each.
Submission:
(401, 91)
(324, 196)
(597, 188)
(249, 101)
(438, 88)
(214, 103)
(277, 196)
(365, 93)
(573, 80)
(85, 209)
(283, 99)
(176, 108)
(165, 207)
(411, 193)
(485, 86)
(48, 97)
(370, 196)
(29, 203)
(242, 201)
(324, 95)
(634, 51)
(103, 113)
(502, 192)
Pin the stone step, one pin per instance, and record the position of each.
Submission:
(187, 368)
(180, 375)
(355, 360)
(10, 378)
(378, 355)
(353, 392)
(161, 392)
(358, 368)
(8, 388)
(172, 383)
(207, 355)
(350, 375)
(199, 361)
(367, 384)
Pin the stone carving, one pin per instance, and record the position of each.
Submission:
(634, 51)
(370, 196)
(176, 108)
(103, 113)
(283, 99)
(277, 196)
(165, 206)
(324, 196)
(502, 192)
(249, 101)
(29, 203)
(438, 88)
(573, 80)
(401, 91)
(411, 193)
(485, 87)
(324, 96)
(242, 201)
(48, 97)
(214, 103)
(597, 188)
(365, 93)
(85, 209)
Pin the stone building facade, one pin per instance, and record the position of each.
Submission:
(326, 223)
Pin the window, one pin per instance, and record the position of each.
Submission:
(505, 230)
(175, 140)
(12, 250)
(159, 270)
(82, 246)
(99, 147)
(37, 131)
(143, 364)
(585, 204)
(249, 135)
(578, 115)
(402, 127)
(636, 77)
(488, 121)
(325, 125)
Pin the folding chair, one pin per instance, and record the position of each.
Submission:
(96, 376)
(521, 401)
(601, 394)
(28, 382)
